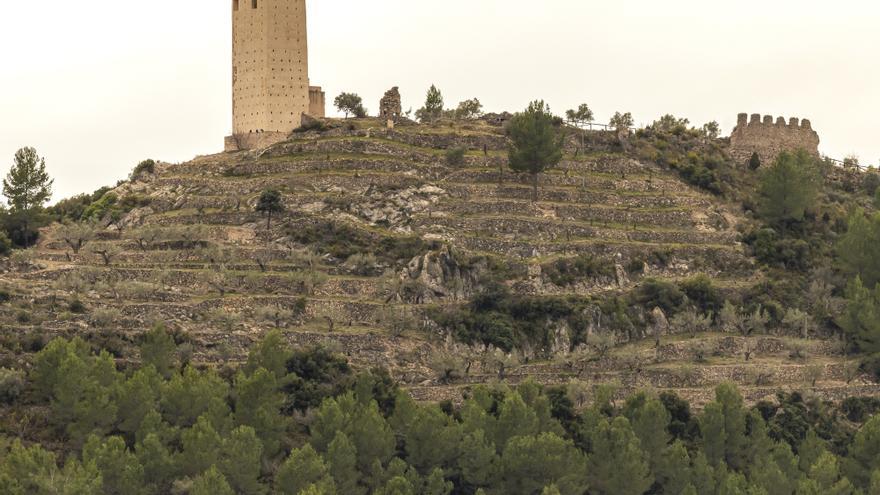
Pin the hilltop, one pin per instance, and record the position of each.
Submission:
(418, 250)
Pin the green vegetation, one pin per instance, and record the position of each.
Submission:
(342, 241)
(620, 121)
(270, 203)
(469, 109)
(455, 156)
(536, 142)
(141, 432)
(145, 167)
(568, 271)
(433, 108)
(27, 187)
(788, 188)
(669, 142)
(350, 104)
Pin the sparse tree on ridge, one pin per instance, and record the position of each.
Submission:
(27, 186)
(712, 130)
(270, 203)
(621, 121)
(583, 115)
(536, 142)
(433, 108)
(350, 104)
(469, 109)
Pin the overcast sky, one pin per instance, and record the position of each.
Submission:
(98, 85)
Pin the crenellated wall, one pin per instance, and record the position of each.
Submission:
(769, 137)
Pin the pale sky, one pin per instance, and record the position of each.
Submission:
(98, 85)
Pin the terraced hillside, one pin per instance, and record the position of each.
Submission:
(391, 246)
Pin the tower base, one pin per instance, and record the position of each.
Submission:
(252, 141)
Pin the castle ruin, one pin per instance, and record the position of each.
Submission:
(389, 107)
(769, 138)
(270, 72)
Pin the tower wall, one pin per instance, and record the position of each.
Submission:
(270, 68)
(769, 138)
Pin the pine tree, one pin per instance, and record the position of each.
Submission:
(618, 465)
(27, 185)
(515, 419)
(137, 397)
(433, 108)
(478, 463)
(856, 248)
(211, 482)
(673, 468)
(240, 461)
(121, 472)
(432, 439)
(530, 463)
(258, 404)
(270, 203)
(303, 468)
(201, 447)
(788, 188)
(271, 353)
(342, 465)
(191, 394)
(436, 484)
(159, 349)
(160, 465)
(536, 142)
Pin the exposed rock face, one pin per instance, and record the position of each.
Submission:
(769, 138)
(561, 344)
(395, 209)
(438, 276)
(389, 106)
(659, 324)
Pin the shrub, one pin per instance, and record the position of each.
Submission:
(5, 244)
(871, 182)
(364, 265)
(455, 156)
(144, 167)
(104, 317)
(568, 271)
(342, 241)
(76, 306)
(12, 383)
(701, 292)
(658, 293)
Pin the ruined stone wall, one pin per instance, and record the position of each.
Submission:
(769, 138)
(270, 69)
(317, 104)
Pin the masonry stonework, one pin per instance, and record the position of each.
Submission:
(769, 138)
(270, 69)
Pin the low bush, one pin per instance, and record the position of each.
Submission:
(343, 241)
(455, 156)
(569, 271)
(12, 383)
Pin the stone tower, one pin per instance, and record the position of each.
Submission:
(270, 72)
(768, 137)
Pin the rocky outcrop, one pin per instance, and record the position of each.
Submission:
(394, 209)
(438, 276)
